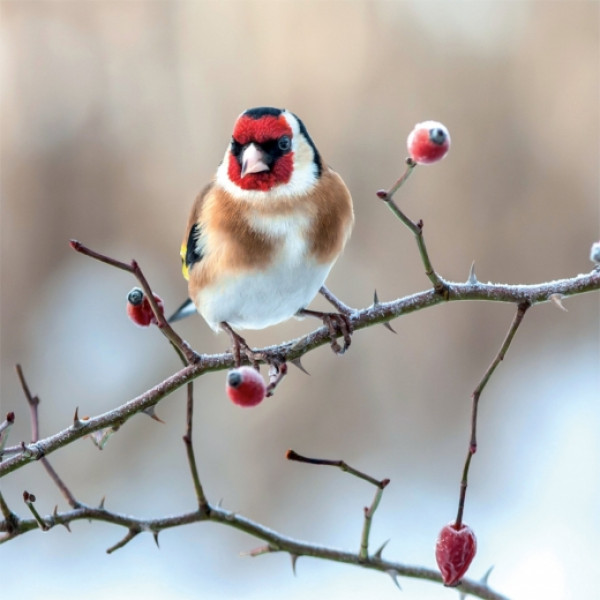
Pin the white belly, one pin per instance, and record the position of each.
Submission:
(258, 299)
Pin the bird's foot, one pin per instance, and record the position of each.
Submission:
(277, 365)
(239, 345)
(277, 371)
(337, 323)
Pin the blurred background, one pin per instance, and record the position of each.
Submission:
(115, 114)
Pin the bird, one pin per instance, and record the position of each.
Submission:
(263, 235)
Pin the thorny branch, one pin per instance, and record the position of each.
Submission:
(380, 312)
(277, 542)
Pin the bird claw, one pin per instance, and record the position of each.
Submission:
(337, 324)
(341, 322)
(239, 344)
(277, 371)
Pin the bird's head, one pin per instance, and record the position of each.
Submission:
(270, 150)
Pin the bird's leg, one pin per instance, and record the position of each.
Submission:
(238, 343)
(336, 322)
(277, 371)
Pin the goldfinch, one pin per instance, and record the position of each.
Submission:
(263, 235)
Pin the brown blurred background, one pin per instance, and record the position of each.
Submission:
(115, 114)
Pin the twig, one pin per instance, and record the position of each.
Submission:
(10, 518)
(410, 166)
(135, 269)
(521, 310)
(29, 499)
(439, 285)
(188, 441)
(189, 447)
(335, 301)
(128, 537)
(369, 512)
(34, 402)
(340, 464)
(4, 429)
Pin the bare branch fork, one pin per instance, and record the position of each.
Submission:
(524, 296)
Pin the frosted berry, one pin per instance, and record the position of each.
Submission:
(454, 551)
(245, 386)
(139, 309)
(428, 142)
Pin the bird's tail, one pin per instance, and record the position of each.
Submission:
(185, 310)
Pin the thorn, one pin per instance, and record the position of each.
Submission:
(150, 411)
(55, 516)
(377, 554)
(294, 558)
(77, 422)
(486, 576)
(556, 299)
(298, 364)
(101, 505)
(394, 575)
(472, 277)
(377, 303)
(387, 325)
(155, 536)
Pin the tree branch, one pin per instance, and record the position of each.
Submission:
(275, 540)
(290, 351)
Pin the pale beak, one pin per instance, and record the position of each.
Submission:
(253, 160)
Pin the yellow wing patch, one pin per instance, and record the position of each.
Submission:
(184, 268)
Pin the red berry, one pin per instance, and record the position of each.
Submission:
(139, 309)
(245, 386)
(428, 142)
(454, 551)
(135, 308)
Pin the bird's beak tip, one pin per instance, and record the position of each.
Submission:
(253, 161)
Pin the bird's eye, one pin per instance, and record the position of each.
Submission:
(284, 143)
(236, 147)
